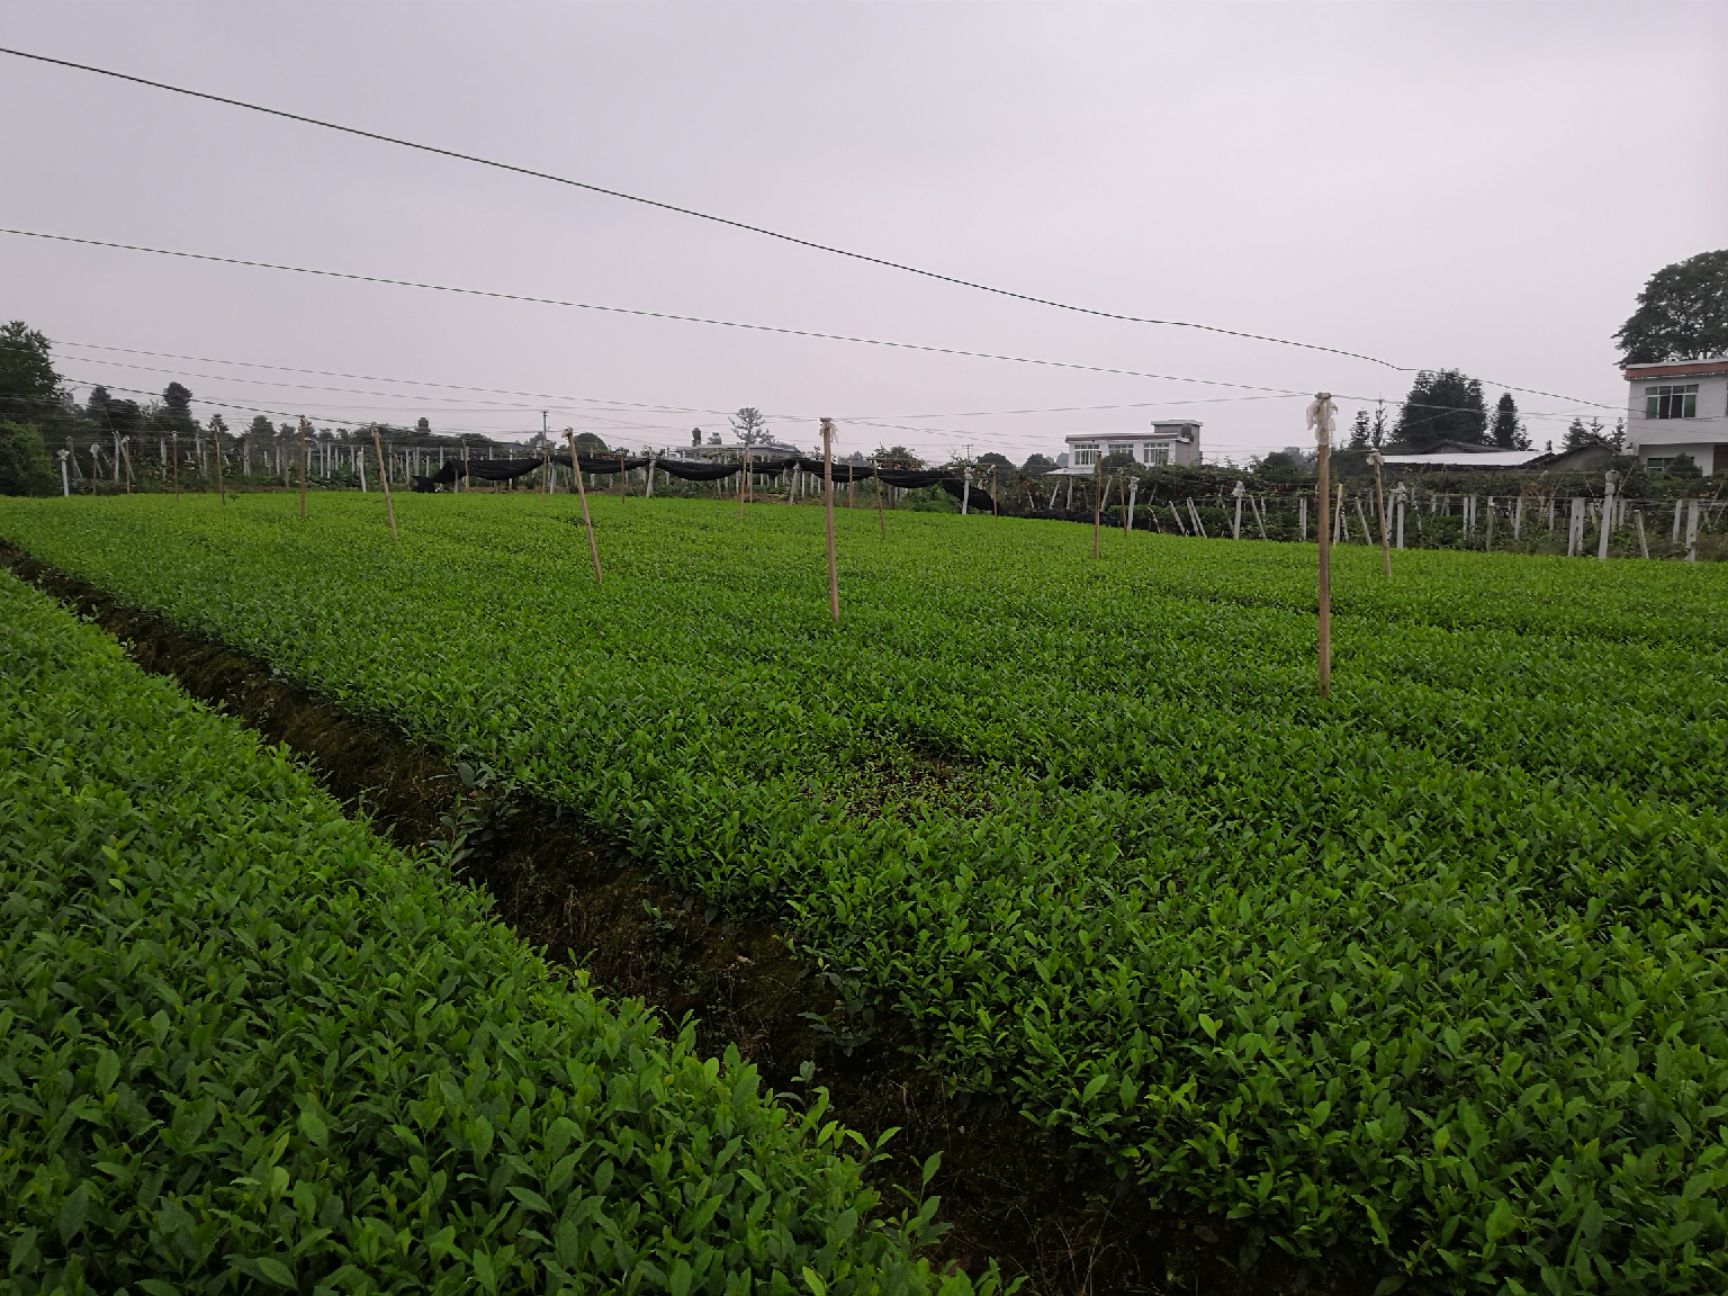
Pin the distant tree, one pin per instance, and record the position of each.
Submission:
(1507, 431)
(1443, 405)
(1617, 438)
(25, 468)
(1359, 431)
(1579, 434)
(123, 418)
(589, 444)
(1291, 461)
(1682, 313)
(28, 383)
(898, 456)
(260, 427)
(177, 403)
(1000, 462)
(218, 424)
(96, 408)
(1117, 459)
(1037, 465)
(1683, 465)
(1377, 431)
(749, 426)
(713, 438)
(695, 436)
(423, 427)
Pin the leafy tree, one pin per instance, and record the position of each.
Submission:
(589, 444)
(1617, 438)
(1359, 431)
(218, 424)
(1508, 432)
(1443, 405)
(1377, 430)
(1037, 466)
(1117, 459)
(749, 426)
(423, 427)
(25, 468)
(261, 428)
(1002, 463)
(177, 407)
(1291, 461)
(96, 408)
(696, 436)
(896, 456)
(123, 418)
(28, 382)
(1682, 313)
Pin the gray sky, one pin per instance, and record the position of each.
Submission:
(1445, 185)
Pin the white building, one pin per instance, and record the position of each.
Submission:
(1679, 408)
(1163, 444)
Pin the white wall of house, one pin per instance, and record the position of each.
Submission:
(1162, 445)
(1681, 408)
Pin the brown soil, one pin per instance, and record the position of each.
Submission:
(1048, 1211)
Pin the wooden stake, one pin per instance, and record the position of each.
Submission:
(828, 509)
(1380, 508)
(995, 512)
(467, 482)
(302, 467)
(1643, 544)
(1320, 416)
(881, 519)
(126, 461)
(582, 494)
(174, 448)
(1097, 498)
(216, 439)
(384, 481)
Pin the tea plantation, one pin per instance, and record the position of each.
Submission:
(246, 1046)
(1434, 967)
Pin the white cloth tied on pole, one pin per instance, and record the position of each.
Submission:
(1322, 418)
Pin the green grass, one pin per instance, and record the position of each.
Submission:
(247, 1046)
(1434, 967)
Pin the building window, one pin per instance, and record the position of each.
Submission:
(1085, 456)
(1153, 455)
(1671, 400)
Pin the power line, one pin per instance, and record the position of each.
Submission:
(693, 213)
(647, 314)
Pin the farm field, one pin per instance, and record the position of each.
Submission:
(249, 1046)
(1433, 968)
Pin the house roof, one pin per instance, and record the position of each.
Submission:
(1143, 434)
(1709, 367)
(1464, 459)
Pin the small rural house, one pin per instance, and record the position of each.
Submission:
(1679, 408)
(1174, 442)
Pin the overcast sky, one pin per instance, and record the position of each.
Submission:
(1480, 186)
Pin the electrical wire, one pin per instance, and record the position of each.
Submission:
(693, 213)
(645, 314)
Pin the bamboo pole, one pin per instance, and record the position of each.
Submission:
(1097, 498)
(302, 467)
(216, 439)
(384, 481)
(174, 449)
(828, 509)
(1380, 508)
(1320, 418)
(126, 459)
(582, 494)
(881, 517)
